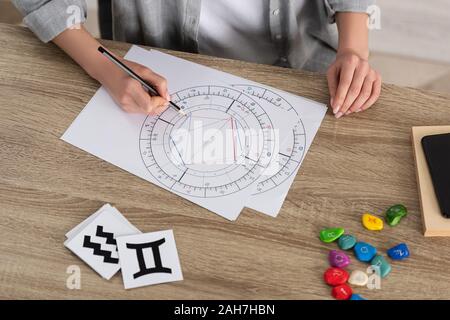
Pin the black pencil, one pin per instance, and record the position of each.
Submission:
(136, 77)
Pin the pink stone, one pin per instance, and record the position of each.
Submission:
(338, 259)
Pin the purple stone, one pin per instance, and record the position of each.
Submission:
(338, 259)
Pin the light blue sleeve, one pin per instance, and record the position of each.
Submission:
(48, 18)
(334, 6)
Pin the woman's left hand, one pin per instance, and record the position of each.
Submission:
(354, 85)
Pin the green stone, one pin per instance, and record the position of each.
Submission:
(384, 266)
(331, 234)
(346, 242)
(395, 213)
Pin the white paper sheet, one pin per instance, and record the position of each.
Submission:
(272, 190)
(140, 144)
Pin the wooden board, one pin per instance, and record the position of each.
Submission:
(359, 163)
(434, 223)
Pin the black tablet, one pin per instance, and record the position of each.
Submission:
(437, 153)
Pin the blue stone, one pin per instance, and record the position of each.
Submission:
(382, 264)
(356, 296)
(346, 242)
(399, 252)
(364, 252)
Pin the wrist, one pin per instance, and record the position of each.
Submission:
(362, 53)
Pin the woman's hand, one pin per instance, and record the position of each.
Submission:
(354, 85)
(129, 93)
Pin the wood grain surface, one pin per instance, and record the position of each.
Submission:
(361, 163)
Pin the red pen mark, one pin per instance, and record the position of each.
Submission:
(234, 142)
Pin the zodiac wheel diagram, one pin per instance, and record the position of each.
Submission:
(292, 151)
(226, 110)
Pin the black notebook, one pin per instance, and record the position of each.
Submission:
(437, 153)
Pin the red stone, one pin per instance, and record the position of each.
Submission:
(335, 276)
(342, 292)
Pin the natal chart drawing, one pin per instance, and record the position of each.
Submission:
(211, 106)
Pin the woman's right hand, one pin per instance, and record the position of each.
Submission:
(129, 93)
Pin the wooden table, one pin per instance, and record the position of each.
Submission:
(363, 162)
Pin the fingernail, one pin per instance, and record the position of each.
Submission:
(347, 113)
(339, 114)
(331, 102)
(335, 110)
(359, 110)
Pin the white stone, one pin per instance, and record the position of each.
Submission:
(358, 278)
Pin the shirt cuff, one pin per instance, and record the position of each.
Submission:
(335, 6)
(54, 17)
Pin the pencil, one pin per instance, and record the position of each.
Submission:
(136, 77)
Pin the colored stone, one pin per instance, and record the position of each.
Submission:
(364, 251)
(356, 296)
(358, 278)
(335, 276)
(399, 252)
(342, 292)
(346, 242)
(383, 266)
(338, 259)
(371, 222)
(395, 213)
(331, 234)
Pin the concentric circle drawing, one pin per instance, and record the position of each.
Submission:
(291, 153)
(208, 107)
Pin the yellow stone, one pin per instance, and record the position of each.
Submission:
(371, 222)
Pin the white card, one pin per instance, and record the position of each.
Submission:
(148, 259)
(86, 221)
(95, 243)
